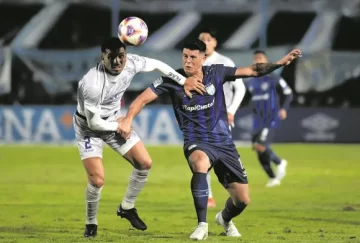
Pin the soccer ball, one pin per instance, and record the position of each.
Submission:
(132, 31)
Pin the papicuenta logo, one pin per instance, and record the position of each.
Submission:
(198, 107)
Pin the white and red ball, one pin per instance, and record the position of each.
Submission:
(132, 31)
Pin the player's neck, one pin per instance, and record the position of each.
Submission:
(110, 73)
(198, 74)
(210, 54)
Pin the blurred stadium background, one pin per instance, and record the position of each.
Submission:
(46, 46)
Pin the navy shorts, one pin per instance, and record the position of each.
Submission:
(224, 159)
(263, 136)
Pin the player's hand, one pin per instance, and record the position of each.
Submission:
(193, 83)
(231, 119)
(282, 114)
(286, 60)
(124, 127)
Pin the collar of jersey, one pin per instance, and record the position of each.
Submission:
(211, 59)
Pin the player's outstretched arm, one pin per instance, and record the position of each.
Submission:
(260, 69)
(189, 84)
(143, 99)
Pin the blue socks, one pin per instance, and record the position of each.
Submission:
(200, 192)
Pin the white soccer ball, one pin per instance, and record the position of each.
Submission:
(133, 31)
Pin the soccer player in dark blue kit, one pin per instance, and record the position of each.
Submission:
(267, 113)
(207, 138)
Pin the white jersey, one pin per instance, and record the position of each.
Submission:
(234, 91)
(102, 90)
(99, 102)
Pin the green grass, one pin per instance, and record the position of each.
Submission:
(42, 197)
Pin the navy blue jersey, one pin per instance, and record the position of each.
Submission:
(203, 118)
(265, 102)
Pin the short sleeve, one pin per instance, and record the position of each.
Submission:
(139, 62)
(225, 73)
(161, 86)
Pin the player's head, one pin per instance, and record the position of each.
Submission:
(208, 36)
(193, 56)
(259, 57)
(113, 54)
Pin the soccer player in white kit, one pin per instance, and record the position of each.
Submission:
(96, 121)
(234, 91)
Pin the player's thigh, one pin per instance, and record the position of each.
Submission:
(95, 171)
(132, 149)
(239, 192)
(231, 174)
(138, 156)
(235, 183)
(199, 157)
(199, 161)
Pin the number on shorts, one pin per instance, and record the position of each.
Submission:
(87, 143)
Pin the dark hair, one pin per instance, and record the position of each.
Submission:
(195, 44)
(209, 31)
(113, 43)
(260, 52)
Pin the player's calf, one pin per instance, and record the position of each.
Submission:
(234, 206)
(199, 163)
(237, 202)
(265, 161)
(95, 173)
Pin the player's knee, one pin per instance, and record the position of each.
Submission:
(200, 166)
(97, 181)
(146, 164)
(243, 199)
(259, 147)
(199, 162)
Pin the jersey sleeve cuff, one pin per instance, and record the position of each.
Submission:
(157, 92)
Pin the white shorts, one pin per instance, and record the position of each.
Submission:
(90, 143)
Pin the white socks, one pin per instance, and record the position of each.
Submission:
(137, 181)
(92, 196)
(208, 178)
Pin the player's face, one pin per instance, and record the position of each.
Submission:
(114, 61)
(192, 61)
(260, 58)
(209, 41)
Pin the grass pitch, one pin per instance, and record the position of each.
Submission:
(42, 197)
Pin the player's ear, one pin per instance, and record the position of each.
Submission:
(215, 43)
(204, 56)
